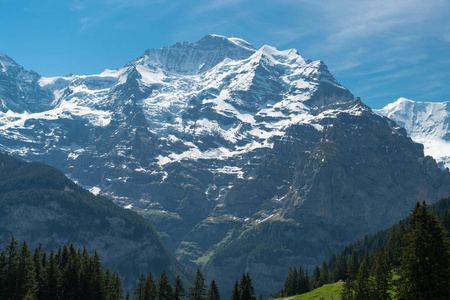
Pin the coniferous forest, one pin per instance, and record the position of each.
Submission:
(71, 273)
(411, 260)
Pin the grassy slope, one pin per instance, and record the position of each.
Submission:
(326, 292)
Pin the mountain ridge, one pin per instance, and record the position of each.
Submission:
(267, 156)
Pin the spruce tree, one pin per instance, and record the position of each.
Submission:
(11, 283)
(246, 289)
(149, 288)
(316, 278)
(303, 286)
(362, 287)
(349, 286)
(26, 274)
(324, 274)
(3, 274)
(179, 290)
(382, 276)
(138, 293)
(39, 263)
(213, 292)
(354, 263)
(235, 295)
(425, 259)
(291, 283)
(52, 286)
(113, 285)
(164, 289)
(198, 290)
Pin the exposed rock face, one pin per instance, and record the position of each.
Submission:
(243, 159)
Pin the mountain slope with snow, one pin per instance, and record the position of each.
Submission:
(243, 159)
(427, 123)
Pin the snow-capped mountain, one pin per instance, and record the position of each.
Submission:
(427, 123)
(244, 159)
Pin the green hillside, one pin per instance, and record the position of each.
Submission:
(40, 204)
(325, 292)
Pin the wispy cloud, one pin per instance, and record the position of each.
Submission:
(214, 5)
(77, 5)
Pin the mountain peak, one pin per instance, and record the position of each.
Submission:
(193, 58)
(6, 62)
(220, 41)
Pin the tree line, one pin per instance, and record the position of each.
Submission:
(71, 273)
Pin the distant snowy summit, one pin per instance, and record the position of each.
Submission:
(427, 123)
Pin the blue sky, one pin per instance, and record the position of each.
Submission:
(380, 50)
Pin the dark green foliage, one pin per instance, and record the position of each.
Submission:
(198, 290)
(149, 288)
(71, 274)
(235, 295)
(324, 274)
(425, 260)
(164, 290)
(246, 289)
(52, 282)
(291, 283)
(381, 276)
(243, 290)
(348, 293)
(213, 292)
(362, 287)
(303, 282)
(316, 278)
(26, 273)
(179, 290)
(114, 288)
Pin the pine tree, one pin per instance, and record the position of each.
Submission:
(95, 277)
(26, 274)
(213, 292)
(11, 283)
(291, 283)
(349, 286)
(179, 291)
(70, 276)
(354, 263)
(52, 286)
(382, 276)
(198, 290)
(164, 290)
(149, 288)
(425, 260)
(362, 288)
(235, 295)
(324, 274)
(303, 286)
(246, 289)
(39, 263)
(3, 274)
(138, 293)
(307, 281)
(316, 278)
(113, 285)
